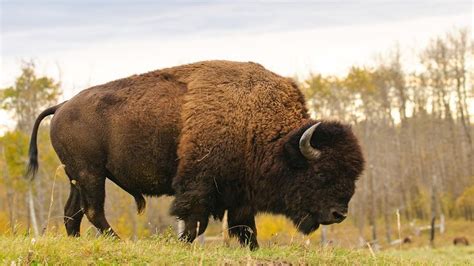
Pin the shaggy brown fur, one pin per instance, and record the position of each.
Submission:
(218, 135)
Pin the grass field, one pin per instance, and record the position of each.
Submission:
(166, 249)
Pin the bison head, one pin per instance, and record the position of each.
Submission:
(321, 163)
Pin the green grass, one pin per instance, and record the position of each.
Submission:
(167, 249)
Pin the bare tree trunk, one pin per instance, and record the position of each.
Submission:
(373, 207)
(466, 125)
(31, 205)
(401, 182)
(433, 208)
(386, 214)
(10, 196)
(460, 47)
(11, 207)
(40, 199)
(432, 231)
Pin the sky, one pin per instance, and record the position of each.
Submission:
(85, 43)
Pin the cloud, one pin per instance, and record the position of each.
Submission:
(41, 26)
(94, 42)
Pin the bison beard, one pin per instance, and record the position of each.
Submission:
(218, 135)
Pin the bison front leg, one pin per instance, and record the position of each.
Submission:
(241, 224)
(195, 195)
(192, 228)
(193, 212)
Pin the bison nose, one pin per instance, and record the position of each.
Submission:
(338, 215)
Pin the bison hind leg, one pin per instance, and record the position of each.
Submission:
(92, 189)
(73, 212)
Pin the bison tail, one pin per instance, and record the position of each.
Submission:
(141, 203)
(33, 150)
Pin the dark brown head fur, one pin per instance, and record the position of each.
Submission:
(315, 192)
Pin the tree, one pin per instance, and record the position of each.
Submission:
(24, 101)
(461, 52)
(465, 203)
(29, 96)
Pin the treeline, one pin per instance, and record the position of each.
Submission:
(415, 128)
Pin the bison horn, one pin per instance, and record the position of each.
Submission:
(306, 149)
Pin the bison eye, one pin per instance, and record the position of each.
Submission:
(322, 177)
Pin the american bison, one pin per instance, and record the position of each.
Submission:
(461, 240)
(218, 135)
(407, 240)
